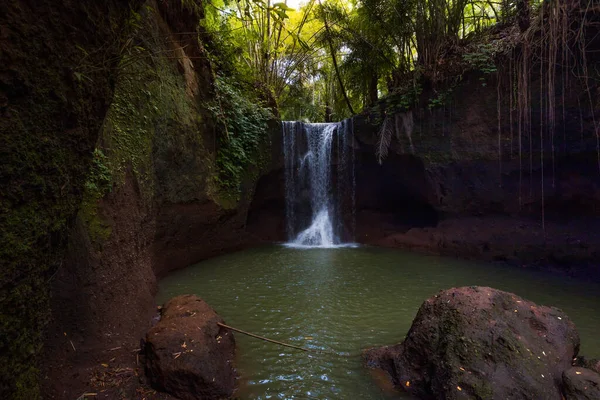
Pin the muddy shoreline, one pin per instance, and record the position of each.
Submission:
(571, 249)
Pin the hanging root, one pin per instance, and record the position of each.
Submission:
(408, 124)
(553, 46)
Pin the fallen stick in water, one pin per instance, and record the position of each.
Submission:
(273, 341)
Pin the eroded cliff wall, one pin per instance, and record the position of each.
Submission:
(57, 72)
(527, 198)
(152, 201)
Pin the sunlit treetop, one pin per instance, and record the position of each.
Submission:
(325, 59)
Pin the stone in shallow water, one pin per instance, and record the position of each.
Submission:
(481, 343)
(188, 355)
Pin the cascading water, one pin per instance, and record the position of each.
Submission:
(319, 201)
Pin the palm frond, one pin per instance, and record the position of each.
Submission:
(384, 139)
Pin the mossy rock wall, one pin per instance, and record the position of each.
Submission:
(152, 201)
(150, 151)
(57, 71)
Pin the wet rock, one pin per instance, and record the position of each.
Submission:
(581, 384)
(187, 354)
(481, 343)
(593, 363)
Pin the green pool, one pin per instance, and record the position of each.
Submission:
(344, 300)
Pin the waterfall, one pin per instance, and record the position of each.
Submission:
(319, 183)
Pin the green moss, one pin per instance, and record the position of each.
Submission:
(97, 185)
(49, 125)
(152, 123)
(98, 228)
(42, 179)
(146, 100)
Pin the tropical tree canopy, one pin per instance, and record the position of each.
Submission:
(327, 59)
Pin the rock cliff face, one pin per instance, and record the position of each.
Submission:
(457, 186)
(488, 203)
(151, 202)
(57, 69)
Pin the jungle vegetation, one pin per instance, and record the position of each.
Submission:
(327, 60)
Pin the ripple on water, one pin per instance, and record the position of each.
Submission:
(344, 300)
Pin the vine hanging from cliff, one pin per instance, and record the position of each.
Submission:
(558, 30)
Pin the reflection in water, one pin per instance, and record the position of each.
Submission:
(345, 300)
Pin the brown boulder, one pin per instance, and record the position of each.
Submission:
(581, 384)
(481, 343)
(188, 355)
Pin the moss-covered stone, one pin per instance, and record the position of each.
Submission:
(482, 343)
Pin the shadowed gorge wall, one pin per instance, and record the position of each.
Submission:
(488, 200)
(152, 201)
(56, 78)
(472, 168)
(392, 197)
(131, 176)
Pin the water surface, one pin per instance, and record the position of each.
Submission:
(344, 300)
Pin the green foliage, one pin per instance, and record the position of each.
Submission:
(441, 98)
(482, 60)
(99, 179)
(254, 40)
(334, 56)
(245, 121)
(405, 100)
(298, 103)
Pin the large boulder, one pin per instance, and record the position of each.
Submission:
(188, 355)
(481, 343)
(581, 384)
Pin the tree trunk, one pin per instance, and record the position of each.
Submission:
(373, 95)
(328, 113)
(334, 61)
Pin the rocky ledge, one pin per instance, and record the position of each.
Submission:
(482, 343)
(188, 355)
